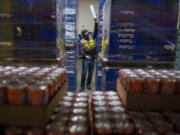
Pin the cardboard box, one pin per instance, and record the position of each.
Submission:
(30, 116)
(148, 102)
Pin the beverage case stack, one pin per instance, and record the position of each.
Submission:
(109, 116)
(70, 66)
(98, 75)
(69, 30)
(150, 81)
(109, 75)
(140, 29)
(102, 113)
(29, 29)
(99, 40)
(33, 86)
(151, 89)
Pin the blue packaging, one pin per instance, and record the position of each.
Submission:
(140, 26)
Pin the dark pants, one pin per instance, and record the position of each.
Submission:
(87, 66)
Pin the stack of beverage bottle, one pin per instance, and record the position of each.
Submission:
(111, 118)
(31, 28)
(68, 32)
(67, 21)
(150, 81)
(100, 21)
(29, 85)
(70, 66)
(70, 12)
(137, 30)
(98, 75)
(109, 76)
(99, 43)
(102, 113)
(71, 116)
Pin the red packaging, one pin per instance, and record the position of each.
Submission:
(82, 94)
(70, 94)
(78, 129)
(134, 84)
(173, 117)
(163, 127)
(50, 85)
(102, 128)
(63, 111)
(99, 103)
(80, 111)
(143, 126)
(114, 103)
(116, 109)
(100, 109)
(34, 131)
(101, 116)
(16, 94)
(178, 126)
(79, 119)
(113, 98)
(167, 85)
(66, 104)
(81, 99)
(38, 95)
(3, 97)
(98, 98)
(151, 85)
(151, 133)
(110, 93)
(81, 105)
(154, 117)
(178, 85)
(13, 131)
(119, 117)
(124, 128)
(68, 99)
(172, 133)
(98, 93)
(136, 116)
(60, 118)
(56, 129)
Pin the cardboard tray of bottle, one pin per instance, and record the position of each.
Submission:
(148, 102)
(30, 116)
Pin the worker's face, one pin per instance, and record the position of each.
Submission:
(86, 34)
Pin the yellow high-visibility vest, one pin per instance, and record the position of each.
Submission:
(87, 44)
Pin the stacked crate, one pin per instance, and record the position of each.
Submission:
(140, 29)
(98, 64)
(69, 34)
(108, 77)
(29, 28)
(70, 65)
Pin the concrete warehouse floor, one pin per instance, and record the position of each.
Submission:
(79, 71)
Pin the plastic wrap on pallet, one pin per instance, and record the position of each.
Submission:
(109, 78)
(147, 30)
(31, 27)
(70, 66)
(98, 75)
(99, 40)
(101, 5)
(69, 21)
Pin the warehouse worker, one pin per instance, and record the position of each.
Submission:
(88, 52)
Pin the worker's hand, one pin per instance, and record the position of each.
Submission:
(88, 57)
(92, 47)
(96, 20)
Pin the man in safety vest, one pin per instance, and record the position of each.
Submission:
(88, 51)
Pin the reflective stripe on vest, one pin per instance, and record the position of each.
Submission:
(86, 44)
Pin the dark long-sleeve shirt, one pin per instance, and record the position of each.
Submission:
(91, 52)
